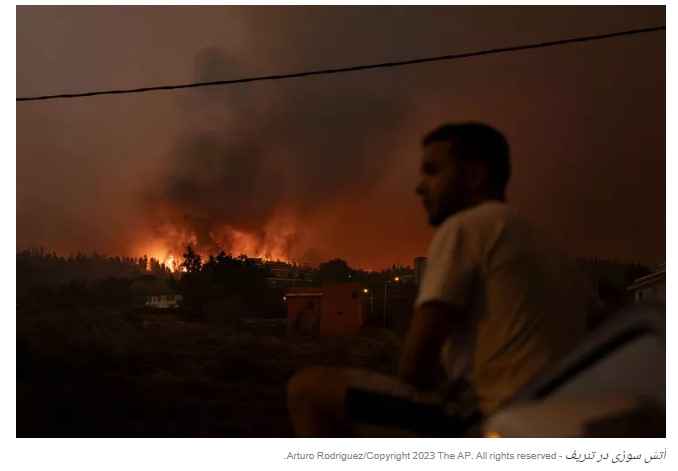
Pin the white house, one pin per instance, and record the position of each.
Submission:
(163, 300)
(650, 287)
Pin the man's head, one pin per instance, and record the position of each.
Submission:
(462, 165)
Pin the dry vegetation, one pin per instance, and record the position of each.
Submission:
(83, 373)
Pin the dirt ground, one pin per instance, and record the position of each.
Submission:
(116, 374)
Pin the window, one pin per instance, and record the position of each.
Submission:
(310, 305)
(154, 299)
(354, 295)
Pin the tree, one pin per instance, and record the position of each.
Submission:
(336, 270)
(192, 261)
(142, 263)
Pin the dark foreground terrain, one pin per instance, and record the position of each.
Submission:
(105, 373)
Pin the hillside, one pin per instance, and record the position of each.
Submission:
(107, 373)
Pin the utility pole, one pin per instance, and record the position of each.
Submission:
(385, 304)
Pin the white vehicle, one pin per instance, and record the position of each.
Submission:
(613, 385)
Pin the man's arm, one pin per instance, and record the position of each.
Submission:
(420, 355)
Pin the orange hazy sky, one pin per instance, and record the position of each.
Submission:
(325, 167)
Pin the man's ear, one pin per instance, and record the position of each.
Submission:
(476, 173)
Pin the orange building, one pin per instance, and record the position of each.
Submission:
(330, 310)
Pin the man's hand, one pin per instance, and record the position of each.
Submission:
(420, 356)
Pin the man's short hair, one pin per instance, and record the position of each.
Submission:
(478, 142)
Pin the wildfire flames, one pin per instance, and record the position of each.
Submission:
(172, 264)
(277, 241)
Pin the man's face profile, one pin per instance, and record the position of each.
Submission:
(442, 184)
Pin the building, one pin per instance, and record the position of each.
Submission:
(154, 292)
(419, 268)
(651, 287)
(163, 300)
(284, 274)
(330, 310)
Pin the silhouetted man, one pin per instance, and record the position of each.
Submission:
(499, 301)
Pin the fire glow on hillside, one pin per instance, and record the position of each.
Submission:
(280, 240)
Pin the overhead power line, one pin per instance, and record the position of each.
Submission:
(354, 68)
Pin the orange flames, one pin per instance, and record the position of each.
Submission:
(277, 241)
(173, 265)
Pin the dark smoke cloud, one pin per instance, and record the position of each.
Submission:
(325, 166)
(248, 152)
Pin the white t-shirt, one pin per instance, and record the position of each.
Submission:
(527, 300)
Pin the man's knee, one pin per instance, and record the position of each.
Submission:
(301, 385)
(315, 386)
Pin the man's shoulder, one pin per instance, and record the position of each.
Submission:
(488, 214)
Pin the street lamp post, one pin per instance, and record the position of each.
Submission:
(385, 284)
(371, 300)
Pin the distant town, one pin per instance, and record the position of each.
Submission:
(243, 288)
